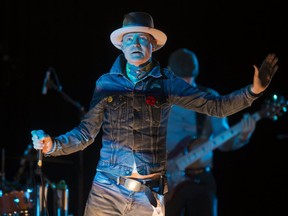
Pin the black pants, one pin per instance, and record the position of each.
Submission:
(194, 197)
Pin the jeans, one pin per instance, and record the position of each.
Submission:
(106, 198)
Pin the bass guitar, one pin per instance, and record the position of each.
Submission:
(176, 165)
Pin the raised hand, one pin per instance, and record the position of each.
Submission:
(263, 75)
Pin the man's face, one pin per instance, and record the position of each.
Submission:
(137, 47)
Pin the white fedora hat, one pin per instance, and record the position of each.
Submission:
(138, 22)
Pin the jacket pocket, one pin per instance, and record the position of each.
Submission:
(116, 107)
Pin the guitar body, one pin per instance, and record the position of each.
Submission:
(176, 175)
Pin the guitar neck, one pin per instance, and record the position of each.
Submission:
(189, 158)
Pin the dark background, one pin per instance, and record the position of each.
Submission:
(73, 37)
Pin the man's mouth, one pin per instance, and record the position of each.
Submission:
(136, 52)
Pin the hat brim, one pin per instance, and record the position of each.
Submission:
(117, 35)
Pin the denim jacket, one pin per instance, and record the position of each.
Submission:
(133, 118)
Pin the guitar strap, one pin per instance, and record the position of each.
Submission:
(200, 123)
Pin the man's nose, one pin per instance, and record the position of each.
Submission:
(136, 41)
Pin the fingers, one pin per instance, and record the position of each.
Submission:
(272, 60)
(248, 126)
(39, 133)
(38, 137)
(256, 71)
(271, 63)
(248, 123)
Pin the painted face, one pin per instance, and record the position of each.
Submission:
(137, 47)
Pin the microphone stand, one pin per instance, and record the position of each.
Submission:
(40, 193)
(22, 164)
(58, 88)
(51, 84)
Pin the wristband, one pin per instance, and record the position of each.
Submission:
(252, 93)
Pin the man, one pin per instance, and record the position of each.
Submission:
(194, 192)
(131, 104)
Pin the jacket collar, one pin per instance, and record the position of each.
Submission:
(119, 67)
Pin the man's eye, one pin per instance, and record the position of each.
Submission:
(144, 38)
(128, 39)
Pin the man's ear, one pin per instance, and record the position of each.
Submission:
(121, 46)
(154, 44)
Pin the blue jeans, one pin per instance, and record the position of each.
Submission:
(106, 198)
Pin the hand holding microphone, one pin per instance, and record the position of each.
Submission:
(41, 142)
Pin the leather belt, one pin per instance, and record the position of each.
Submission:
(136, 185)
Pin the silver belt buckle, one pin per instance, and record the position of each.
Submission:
(133, 185)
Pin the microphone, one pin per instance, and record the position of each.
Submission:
(39, 158)
(40, 134)
(45, 83)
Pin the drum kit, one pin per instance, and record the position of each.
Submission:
(14, 199)
(30, 199)
(16, 203)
